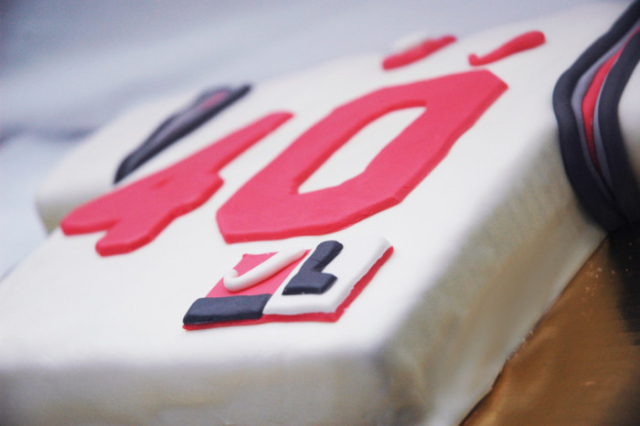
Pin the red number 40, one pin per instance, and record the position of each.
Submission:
(269, 206)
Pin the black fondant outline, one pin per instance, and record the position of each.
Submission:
(577, 98)
(599, 143)
(310, 279)
(221, 309)
(624, 186)
(178, 126)
(604, 211)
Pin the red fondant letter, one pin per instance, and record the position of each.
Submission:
(523, 42)
(269, 206)
(135, 214)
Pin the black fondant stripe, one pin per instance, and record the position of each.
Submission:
(180, 124)
(599, 143)
(584, 182)
(220, 309)
(310, 279)
(625, 188)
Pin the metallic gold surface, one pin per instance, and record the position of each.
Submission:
(581, 364)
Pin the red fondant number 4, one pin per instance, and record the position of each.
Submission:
(269, 206)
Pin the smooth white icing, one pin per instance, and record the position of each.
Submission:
(358, 255)
(266, 269)
(481, 248)
(409, 41)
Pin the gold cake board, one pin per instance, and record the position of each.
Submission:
(581, 364)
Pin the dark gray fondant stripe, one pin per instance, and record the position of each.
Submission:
(310, 279)
(220, 309)
(205, 107)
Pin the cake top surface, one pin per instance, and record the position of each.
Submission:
(461, 198)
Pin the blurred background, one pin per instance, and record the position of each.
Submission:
(69, 66)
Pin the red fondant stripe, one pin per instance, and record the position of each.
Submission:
(520, 43)
(416, 53)
(589, 105)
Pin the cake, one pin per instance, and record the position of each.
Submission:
(365, 242)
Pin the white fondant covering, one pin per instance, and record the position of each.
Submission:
(266, 269)
(482, 247)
